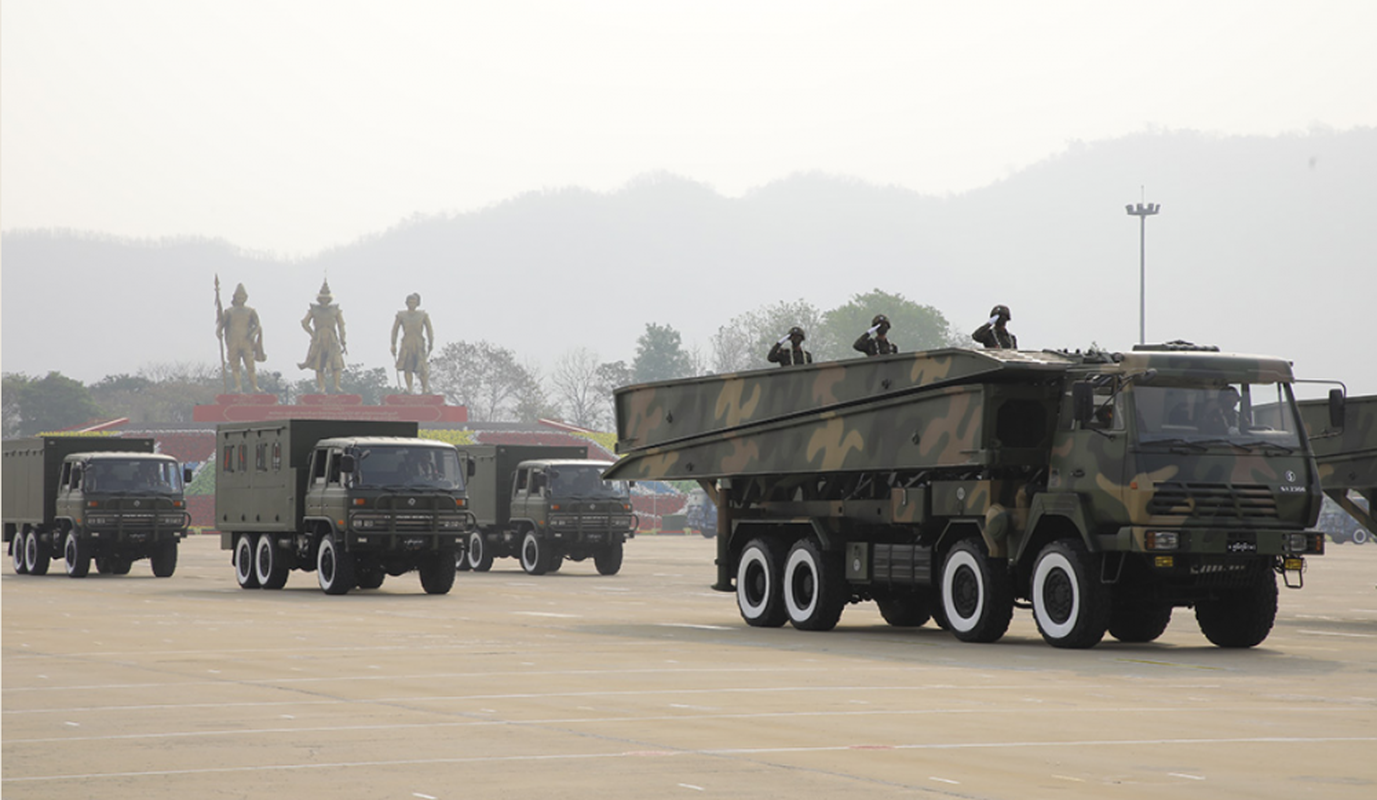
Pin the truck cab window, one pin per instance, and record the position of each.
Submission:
(521, 481)
(537, 483)
(334, 479)
(318, 460)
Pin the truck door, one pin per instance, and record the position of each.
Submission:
(1089, 458)
(520, 483)
(315, 484)
(69, 491)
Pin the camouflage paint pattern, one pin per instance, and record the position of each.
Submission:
(1347, 458)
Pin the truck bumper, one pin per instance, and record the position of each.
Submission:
(1188, 542)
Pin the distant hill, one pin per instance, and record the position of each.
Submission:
(1264, 244)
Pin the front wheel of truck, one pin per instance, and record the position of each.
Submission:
(77, 554)
(609, 559)
(36, 555)
(269, 563)
(977, 599)
(164, 560)
(437, 574)
(17, 554)
(1070, 603)
(814, 587)
(334, 567)
(478, 556)
(1240, 617)
(244, 571)
(535, 554)
(758, 594)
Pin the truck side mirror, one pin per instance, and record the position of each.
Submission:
(187, 475)
(347, 463)
(1082, 402)
(1336, 409)
(470, 466)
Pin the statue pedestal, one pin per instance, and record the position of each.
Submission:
(420, 408)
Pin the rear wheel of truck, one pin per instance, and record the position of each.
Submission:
(758, 594)
(814, 587)
(535, 554)
(1240, 617)
(1070, 603)
(1138, 621)
(1360, 536)
(478, 555)
(905, 609)
(977, 600)
(243, 562)
(609, 559)
(36, 555)
(334, 567)
(437, 574)
(164, 560)
(17, 553)
(269, 563)
(77, 554)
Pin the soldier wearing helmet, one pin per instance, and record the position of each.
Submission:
(880, 345)
(794, 354)
(993, 334)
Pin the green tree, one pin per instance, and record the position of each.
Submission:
(484, 377)
(158, 393)
(609, 377)
(913, 326)
(52, 403)
(745, 341)
(660, 355)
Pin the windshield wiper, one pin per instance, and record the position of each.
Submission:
(1179, 443)
(1281, 448)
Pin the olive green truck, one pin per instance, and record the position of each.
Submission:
(354, 501)
(544, 504)
(1101, 489)
(92, 498)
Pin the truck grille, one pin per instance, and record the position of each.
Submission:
(1242, 500)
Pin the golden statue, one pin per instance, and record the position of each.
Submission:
(325, 322)
(241, 335)
(418, 338)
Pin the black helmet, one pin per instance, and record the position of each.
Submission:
(797, 331)
(881, 319)
(1001, 311)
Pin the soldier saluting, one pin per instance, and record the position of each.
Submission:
(794, 354)
(993, 334)
(880, 345)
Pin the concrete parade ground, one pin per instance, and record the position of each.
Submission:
(647, 684)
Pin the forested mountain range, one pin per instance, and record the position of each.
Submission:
(1263, 244)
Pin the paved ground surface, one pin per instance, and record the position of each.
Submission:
(647, 684)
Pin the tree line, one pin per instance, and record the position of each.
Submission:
(491, 380)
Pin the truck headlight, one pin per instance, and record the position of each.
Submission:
(1297, 542)
(1162, 540)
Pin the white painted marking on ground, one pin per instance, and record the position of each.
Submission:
(1338, 633)
(547, 614)
(691, 625)
(944, 780)
(1184, 775)
(1069, 778)
(691, 786)
(73, 724)
(423, 796)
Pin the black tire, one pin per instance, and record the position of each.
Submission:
(77, 553)
(1240, 617)
(556, 561)
(1070, 604)
(535, 554)
(977, 598)
(117, 564)
(461, 560)
(269, 563)
(437, 574)
(905, 609)
(759, 597)
(1361, 536)
(36, 554)
(814, 586)
(244, 572)
(164, 560)
(17, 553)
(334, 567)
(1138, 621)
(609, 559)
(370, 575)
(479, 554)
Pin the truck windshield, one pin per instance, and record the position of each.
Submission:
(1240, 414)
(133, 475)
(584, 481)
(407, 466)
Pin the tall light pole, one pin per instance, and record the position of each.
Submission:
(1142, 211)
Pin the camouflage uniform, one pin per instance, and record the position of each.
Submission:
(875, 346)
(787, 356)
(994, 335)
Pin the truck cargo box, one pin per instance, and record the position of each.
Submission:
(31, 468)
(490, 486)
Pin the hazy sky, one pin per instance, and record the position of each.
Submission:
(292, 126)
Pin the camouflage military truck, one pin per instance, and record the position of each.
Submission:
(1105, 489)
(1346, 450)
(545, 504)
(353, 501)
(92, 498)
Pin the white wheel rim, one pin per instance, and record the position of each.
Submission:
(30, 551)
(70, 551)
(1046, 565)
(264, 545)
(324, 557)
(243, 566)
(475, 550)
(753, 557)
(530, 552)
(962, 558)
(800, 559)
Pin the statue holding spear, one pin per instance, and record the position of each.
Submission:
(239, 332)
